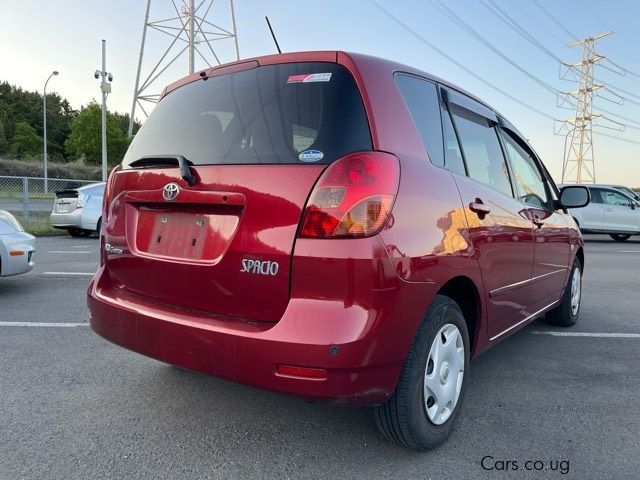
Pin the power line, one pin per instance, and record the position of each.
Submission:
(543, 27)
(600, 134)
(516, 27)
(491, 85)
(615, 87)
(586, 7)
(620, 116)
(458, 64)
(475, 34)
(554, 20)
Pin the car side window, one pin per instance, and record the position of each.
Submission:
(528, 178)
(595, 195)
(421, 98)
(452, 155)
(611, 197)
(482, 151)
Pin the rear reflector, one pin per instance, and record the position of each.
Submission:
(353, 197)
(302, 372)
(16, 253)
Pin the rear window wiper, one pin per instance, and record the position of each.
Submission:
(159, 161)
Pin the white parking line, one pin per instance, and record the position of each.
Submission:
(628, 251)
(587, 334)
(42, 324)
(67, 251)
(69, 273)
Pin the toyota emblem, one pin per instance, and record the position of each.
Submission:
(170, 191)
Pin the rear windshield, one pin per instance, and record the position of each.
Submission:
(287, 113)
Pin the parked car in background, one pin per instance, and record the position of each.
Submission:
(611, 212)
(78, 210)
(17, 247)
(626, 190)
(335, 226)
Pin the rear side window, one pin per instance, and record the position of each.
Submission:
(482, 151)
(421, 98)
(288, 113)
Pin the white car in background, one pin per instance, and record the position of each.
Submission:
(611, 211)
(17, 247)
(79, 210)
(626, 190)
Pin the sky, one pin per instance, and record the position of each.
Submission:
(39, 36)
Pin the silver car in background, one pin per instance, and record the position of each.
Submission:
(16, 246)
(79, 210)
(611, 212)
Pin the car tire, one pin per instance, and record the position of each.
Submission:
(566, 314)
(619, 237)
(77, 232)
(410, 419)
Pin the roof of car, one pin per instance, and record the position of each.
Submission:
(315, 56)
(334, 56)
(91, 185)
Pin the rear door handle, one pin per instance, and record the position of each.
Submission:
(479, 208)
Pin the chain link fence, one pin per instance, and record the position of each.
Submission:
(30, 200)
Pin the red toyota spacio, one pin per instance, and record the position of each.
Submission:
(334, 226)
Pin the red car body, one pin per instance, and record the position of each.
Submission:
(337, 319)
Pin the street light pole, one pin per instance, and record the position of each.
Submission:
(105, 88)
(44, 121)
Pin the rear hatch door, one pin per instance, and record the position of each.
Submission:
(257, 140)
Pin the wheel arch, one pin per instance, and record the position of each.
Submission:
(465, 293)
(580, 257)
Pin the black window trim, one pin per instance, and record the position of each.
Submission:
(473, 106)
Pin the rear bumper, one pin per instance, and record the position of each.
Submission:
(361, 349)
(66, 220)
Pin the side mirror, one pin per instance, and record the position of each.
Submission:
(574, 197)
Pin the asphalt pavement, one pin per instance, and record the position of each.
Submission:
(73, 406)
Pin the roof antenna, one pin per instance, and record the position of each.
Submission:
(275, 40)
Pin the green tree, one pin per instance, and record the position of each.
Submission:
(25, 142)
(17, 105)
(4, 144)
(85, 139)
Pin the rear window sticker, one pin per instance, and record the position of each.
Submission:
(309, 77)
(310, 156)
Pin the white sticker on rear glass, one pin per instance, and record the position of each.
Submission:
(309, 77)
(311, 156)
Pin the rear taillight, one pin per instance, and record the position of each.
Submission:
(82, 199)
(106, 196)
(353, 197)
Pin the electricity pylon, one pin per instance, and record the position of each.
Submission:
(192, 31)
(579, 158)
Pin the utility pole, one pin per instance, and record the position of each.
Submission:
(579, 159)
(105, 88)
(191, 32)
(192, 35)
(44, 120)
